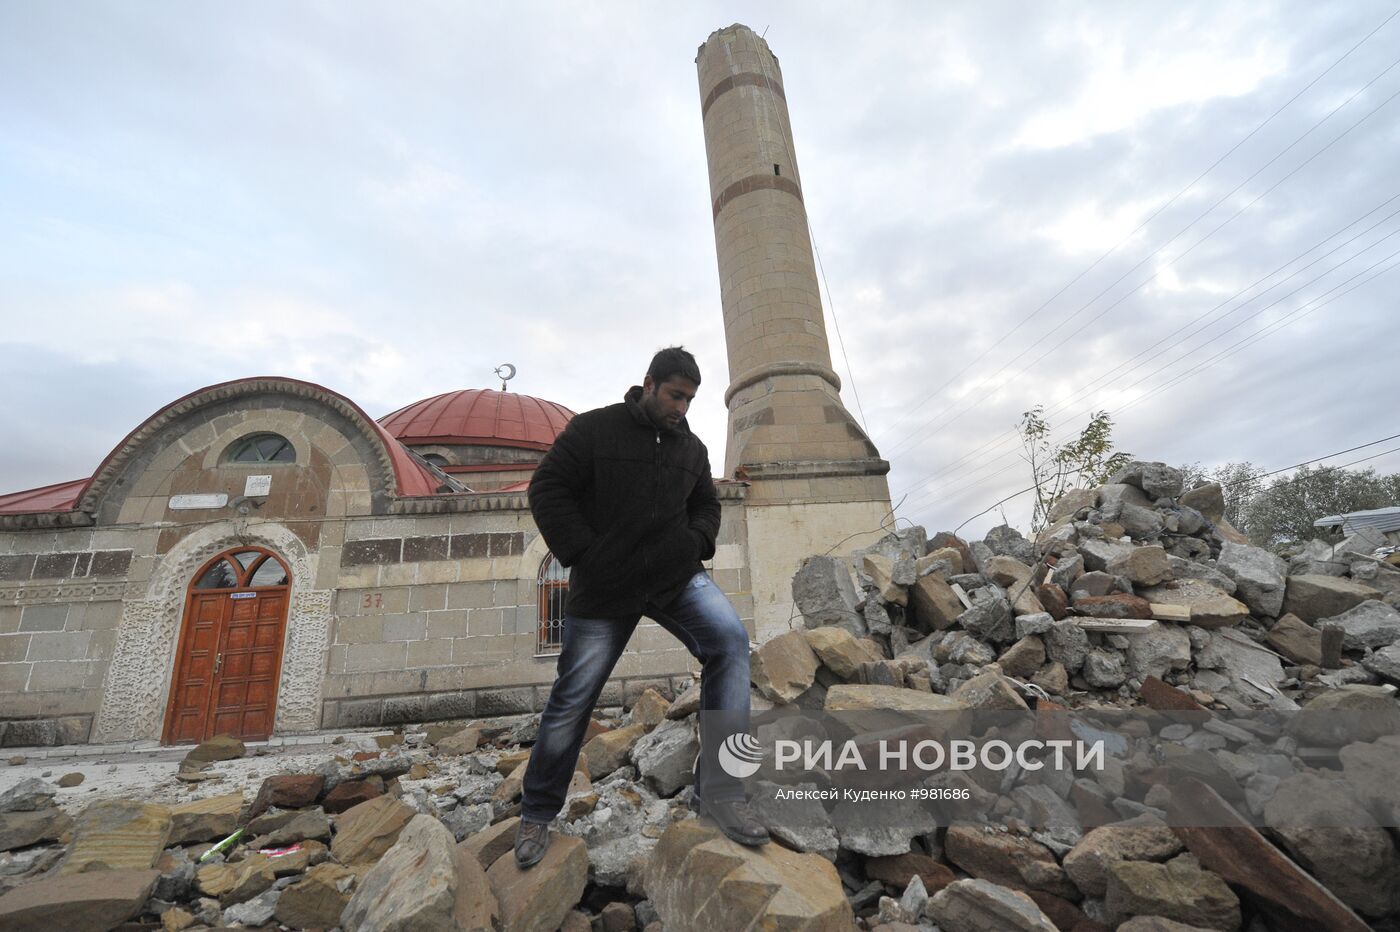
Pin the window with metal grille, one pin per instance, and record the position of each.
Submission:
(261, 448)
(553, 587)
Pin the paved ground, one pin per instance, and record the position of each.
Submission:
(147, 770)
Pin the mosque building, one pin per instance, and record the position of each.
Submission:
(261, 557)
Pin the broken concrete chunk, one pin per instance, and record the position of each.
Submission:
(783, 668)
(1370, 624)
(825, 595)
(978, 905)
(1258, 576)
(1178, 889)
(1208, 606)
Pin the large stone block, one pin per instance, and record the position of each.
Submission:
(783, 667)
(1370, 624)
(287, 791)
(1006, 859)
(538, 899)
(318, 899)
(23, 828)
(936, 606)
(700, 881)
(980, 905)
(117, 834)
(205, 819)
(825, 594)
(611, 749)
(1299, 642)
(1210, 607)
(845, 697)
(1178, 889)
(841, 651)
(422, 882)
(1322, 596)
(90, 902)
(365, 832)
(1329, 832)
(1231, 847)
(1146, 838)
(1258, 576)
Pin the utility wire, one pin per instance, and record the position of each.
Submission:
(1263, 331)
(1150, 218)
(816, 253)
(934, 427)
(1234, 348)
(1032, 488)
(1258, 335)
(958, 464)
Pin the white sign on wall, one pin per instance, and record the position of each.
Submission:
(257, 486)
(193, 502)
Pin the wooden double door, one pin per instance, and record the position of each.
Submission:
(229, 658)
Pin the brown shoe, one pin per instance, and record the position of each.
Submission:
(531, 842)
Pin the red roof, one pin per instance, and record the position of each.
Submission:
(410, 477)
(480, 416)
(60, 497)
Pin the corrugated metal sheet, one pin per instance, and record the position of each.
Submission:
(1383, 520)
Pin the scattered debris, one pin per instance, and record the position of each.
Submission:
(1138, 596)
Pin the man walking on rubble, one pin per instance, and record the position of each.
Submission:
(624, 498)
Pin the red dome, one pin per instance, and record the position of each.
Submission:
(480, 417)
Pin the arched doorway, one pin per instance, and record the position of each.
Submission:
(229, 657)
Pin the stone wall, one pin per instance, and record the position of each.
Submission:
(436, 617)
(400, 608)
(60, 601)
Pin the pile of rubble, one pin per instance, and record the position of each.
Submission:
(1138, 595)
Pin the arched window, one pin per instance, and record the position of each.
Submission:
(553, 587)
(436, 459)
(243, 569)
(261, 448)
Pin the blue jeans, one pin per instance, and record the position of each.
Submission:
(704, 621)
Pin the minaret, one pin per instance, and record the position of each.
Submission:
(789, 433)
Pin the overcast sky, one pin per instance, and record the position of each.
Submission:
(394, 199)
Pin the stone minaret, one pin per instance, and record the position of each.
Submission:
(815, 475)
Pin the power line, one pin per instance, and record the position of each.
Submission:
(1157, 212)
(1223, 354)
(1258, 335)
(1032, 488)
(963, 461)
(816, 253)
(935, 426)
(1362, 446)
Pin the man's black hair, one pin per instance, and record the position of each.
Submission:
(672, 361)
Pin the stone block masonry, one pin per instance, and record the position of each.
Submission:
(383, 551)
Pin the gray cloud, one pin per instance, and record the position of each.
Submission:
(392, 202)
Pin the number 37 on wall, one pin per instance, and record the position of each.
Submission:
(373, 600)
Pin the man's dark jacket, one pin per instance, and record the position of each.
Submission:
(629, 507)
